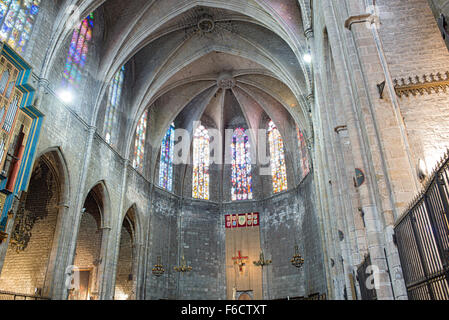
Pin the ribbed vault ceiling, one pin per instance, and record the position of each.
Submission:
(180, 49)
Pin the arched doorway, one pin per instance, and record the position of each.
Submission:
(30, 258)
(88, 254)
(125, 283)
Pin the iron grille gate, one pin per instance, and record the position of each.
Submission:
(422, 237)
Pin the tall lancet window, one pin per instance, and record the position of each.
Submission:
(17, 18)
(166, 162)
(79, 47)
(277, 159)
(200, 181)
(114, 95)
(139, 142)
(304, 153)
(241, 166)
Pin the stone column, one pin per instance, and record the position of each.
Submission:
(330, 251)
(112, 250)
(361, 150)
(104, 272)
(72, 224)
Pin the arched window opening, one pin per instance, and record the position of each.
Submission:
(304, 153)
(139, 142)
(166, 161)
(111, 116)
(79, 47)
(201, 154)
(17, 19)
(241, 166)
(277, 159)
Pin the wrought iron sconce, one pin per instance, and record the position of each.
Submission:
(262, 262)
(158, 269)
(297, 260)
(183, 267)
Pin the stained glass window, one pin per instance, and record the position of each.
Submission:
(17, 18)
(201, 153)
(277, 159)
(166, 162)
(304, 154)
(115, 92)
(79, 47)
(139, 143)
(241, 166)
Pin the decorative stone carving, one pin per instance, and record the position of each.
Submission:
(206, 24)
(417, 86)
(226, 81)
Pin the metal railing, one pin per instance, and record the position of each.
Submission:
(7, 295)
(422, 237)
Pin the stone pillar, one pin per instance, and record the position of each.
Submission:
(330, 252)
(106, 268)
(112, 251)
(393, 182)
(139, 251)
(72, 224)
(361, 149)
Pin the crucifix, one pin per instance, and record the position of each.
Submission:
(240, 261)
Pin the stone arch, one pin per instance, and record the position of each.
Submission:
(32, 256)
(127, 261)
(91, 244)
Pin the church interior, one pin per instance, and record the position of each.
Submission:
(224, 150)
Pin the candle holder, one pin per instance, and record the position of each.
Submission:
(297, 260)
(158, 269)
(262, 262)
(183, 267)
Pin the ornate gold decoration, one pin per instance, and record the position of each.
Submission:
(297, 260)
(25, 219)
(158, 269)
(24, 222)
(433, 83)
(262, 262)
(183, 267)
(240, 261)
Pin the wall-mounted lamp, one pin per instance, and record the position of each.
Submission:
(422, 170)
(65, 95)
(307, 58)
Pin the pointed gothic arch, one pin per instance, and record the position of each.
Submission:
(42, 212)
(127, 260)
(91, 243)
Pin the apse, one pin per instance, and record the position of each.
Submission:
(187, 131)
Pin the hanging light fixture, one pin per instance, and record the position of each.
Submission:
(262, 262)
(297, 260)
(158, 269)
(183, 267)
